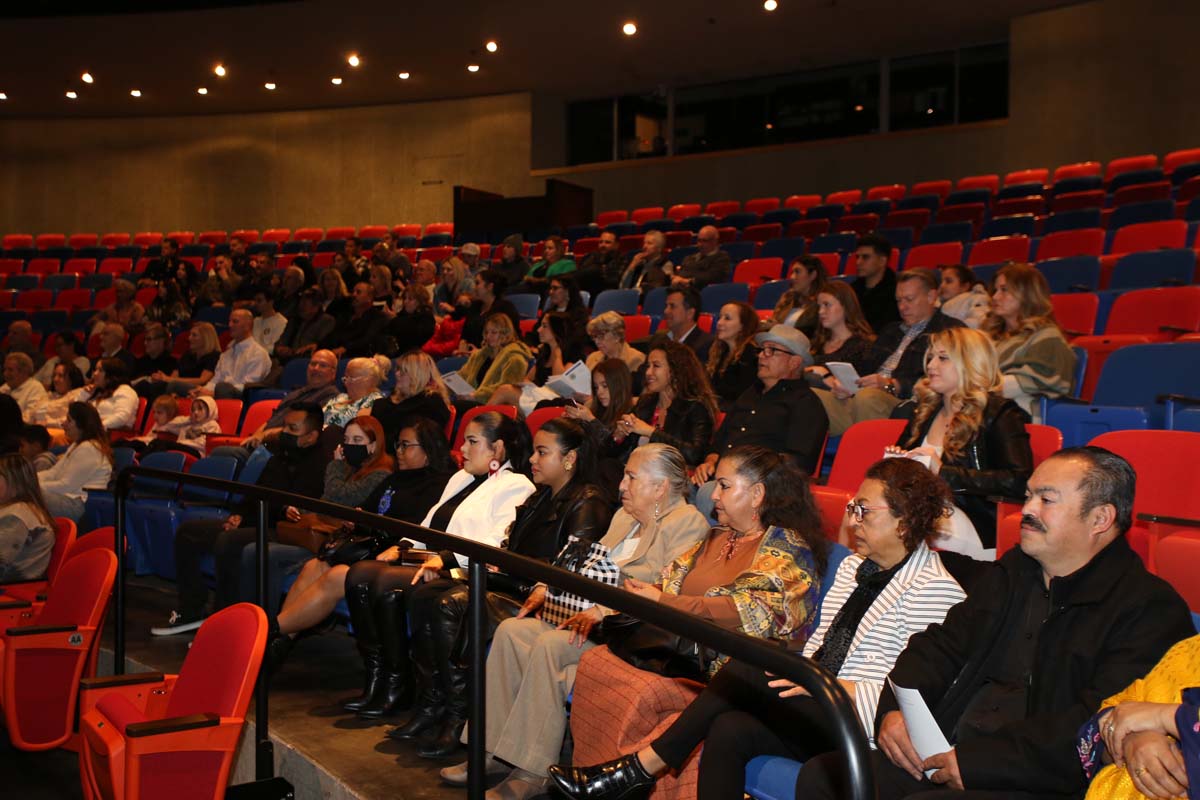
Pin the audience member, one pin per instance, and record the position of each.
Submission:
(163, 410)
(356, 332)
(357, 265)
(469, 253)
(503, 359)
(710, 264)
(396, 259)
(489, 289)
(733, 358)
(111, 395)
(262, 278)
(678, 406)
(1033, 354)
(19, 382)
(383, 288)
(876, 282)
(1067, 619)
(68, 349)
(797, 306)
(157, 356)
(195, 368)
(35, 446)
(963, 296)
(244, 360)
(306, 328)
(414, 323)
(171, 305)
(292, 287)
(65, 388)
(20, 340)
(512, 266)
(610, 401)
(454, 280)
(649, 268)
(897, 357)
(601, 269)
(161, 269)
(27, 529)
(563, 296)
(191, 431)
(335, 297)
(842, 333)
(419, 392)
(268, 324)
(238, 259)
(88, 463)
(425, 273)
(679, 321)
(968, 434)
(220, 285)
(608, 335)
(125, 310)
(362, 380)
(554, 263)
(112, 345)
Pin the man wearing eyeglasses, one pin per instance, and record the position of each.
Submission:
(710, 264)
(779, 411)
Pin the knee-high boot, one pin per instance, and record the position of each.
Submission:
(448, 618)
(431, 698)
(395, 688)
(358, 600)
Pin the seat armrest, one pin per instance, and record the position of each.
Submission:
(1175, 522)
(5, 605)
(137, 730)
(1178, 398)
(33, 630)
(109, 681)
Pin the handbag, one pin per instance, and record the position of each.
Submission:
(588, 559)
(654, 649)
(311, 531)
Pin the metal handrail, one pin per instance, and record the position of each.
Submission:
(819, 683)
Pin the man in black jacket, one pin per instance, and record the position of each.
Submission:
(299, 468)
(1067, 620)
(897, 358)
(601, 268)
(357, 334)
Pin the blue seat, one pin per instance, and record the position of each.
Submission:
(1183, 172)
(930, 201)
(527, 304)
(830, 211)
(1106, 297)
(741, 219)
(663, 225)
(1139, 375)
(834, 243)
(202, 250)
(1186, 419)
(968, 196)
(1082, 423)
(147, 497)
(96, 280)
(296, 248)
(942, 232)
(131, 251)
(696, 222)
(98, 510)
(1071, 274)
(1154, 268)
(1081, 360)
(738, 251)
(655, 301)
(1018, 190)
(577, 232)
(61, 253)
(49, 321)
(769, 293)
(678, 254)
(216, 315)
(1134, 177)
(450, 363)
(1192, 212)
(295, 374)
(1150, 211)
(330, 246)
(63, 280)
(984, 272)
(8, 316)
(620, 229)
(162, 517)
(1015, 225)
(900, 238)
(877, 207)
(22, 282)
(254, 395)
(1071, 220)
(1089, 183)
(786, 249)
(715, 295)
(783, 216)
(23, 253)
(98, 253)
(436, 240)
(623, 301)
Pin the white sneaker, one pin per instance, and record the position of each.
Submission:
(176, 624)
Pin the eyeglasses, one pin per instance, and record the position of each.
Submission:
(403, 446)
(771, 352)
(858, 510)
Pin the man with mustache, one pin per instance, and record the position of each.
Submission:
(1054, 628)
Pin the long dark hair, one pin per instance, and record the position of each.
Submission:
(559, 324)
(787, 502)
(620, 391)
(689, 381)
(23, 486)
(116, 374)
(432, 439)
(87, 420)
(572, 436)
(574, 298)
(513, 432)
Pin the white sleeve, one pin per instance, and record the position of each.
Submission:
(122, 409)
(254, 368)
(73, 471)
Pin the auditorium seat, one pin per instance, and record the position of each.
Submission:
(1072, 220)
(644, 215)
(739, 220)
(715, 295)
(761, 205)
(115, 239)
(933, 255)
(757, 271)
(583, 247)
(12, 241)
(1076, 313)
(1077, 242)
(768, 294)
(1153, 211)
(147, 239)
(973, 213)
(1077, 201)
(830, 211)
(802, 202)
(833, 243)
(1071, 273)
(999, 250)
(1129, 164)
(23, 282)
(989, 182)
(786, 249)
(78, 240)
(1154, 268)
(181, 237)
(622, 301)
(681, 211)
(939, 233)
(722, 208)
(891, 192)
(1011, 225)
(858, 224)
(1021, 191)
(42, 266)
(1176, 559)
(1136, 177)
(1019, 205)
(73, 299)
(808, 228)
(1038, 175)
(914, 218)
(439, 227)
(941, 188)
(1082, 169)
(846, 197)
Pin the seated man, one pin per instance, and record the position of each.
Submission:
(164, 267)
(112, 345)
(158, 356)
(649, 267)
(20, 340)
(221, 284)
(306, 328)
(19, 382)
(1066, 620)
(299, 468)
(897, 358)
(290, 289)
(679, 319)
(399, 262)
(262, 278)
(601, 268)
(239, 260)
(710, 264)
(244, 361)
(357, 333)
(875, 285)
(269, 324)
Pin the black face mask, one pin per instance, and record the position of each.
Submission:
(289, 444)
(355, 454)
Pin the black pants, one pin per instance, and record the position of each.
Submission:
(196, 539)
(738, 717)
(824, 778)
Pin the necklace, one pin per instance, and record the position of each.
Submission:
(735, 537)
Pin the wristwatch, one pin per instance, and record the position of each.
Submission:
(891, 386)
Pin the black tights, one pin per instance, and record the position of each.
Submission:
(375, 595)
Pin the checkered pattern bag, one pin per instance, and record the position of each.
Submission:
(588, 559)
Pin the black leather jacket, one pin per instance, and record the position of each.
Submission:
(688, 428)
(996, 462)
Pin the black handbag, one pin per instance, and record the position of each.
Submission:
(654, 649)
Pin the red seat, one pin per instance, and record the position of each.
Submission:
(643, 215)
(1074, 201)
(1177, 561)
(894, 192)
(757, 271)
(65, 533)
(1064, 244)
(1039, 175)
(1129, 164)
(723, 208)
(212, 238)
(1019, 205)
(405, 229)
(1178, 158)
(846, 197)
(1140, 237)
(78, 240)
(802, 202)
(278, 235)
(472, 413)
(6, 298)
(1044, 441)
(116, 266)
(341, 232)
(40, 672)
(963, 212)
(681, 239)
(808, 228)
(1142, 193)
(989, 182)
(314, 234)
(367, 232)
(934, 255)
(247, 235)
(541, 416)
(11, 266)
(762, 233)
(682, 211)
(1081, 169)
(584, 246)
(80, 266)
(45, 240)
(637, 326)
(605, 218)
(115, 239)
(1076, 313)
(182, 237)
(34, 299)
(915, 218)
(187, 725)
(229, 413)
(1189, 190)
(325, 259)
(73, 299)
(761, 205)
(940, 188)
(15, 240)
(439, 254)
(147, 239)
(256, 416)
(859, 224)
(43, 266)
(629, 243)
(860, 447)
(832, 262)
(998, 250)
(439, 227)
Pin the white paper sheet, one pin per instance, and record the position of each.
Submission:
(846, 374)
(927, 738)
(457, 384)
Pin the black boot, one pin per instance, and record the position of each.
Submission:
(431, 700)
(620, 779)
(278, 647)
(394, 689)
(447, 620)
(358, 601)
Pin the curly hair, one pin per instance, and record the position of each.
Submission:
(1032, 291)
(689, 381)
(973, 357)
(916, 497)
(721, 355)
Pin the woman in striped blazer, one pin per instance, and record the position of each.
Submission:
(892, 587)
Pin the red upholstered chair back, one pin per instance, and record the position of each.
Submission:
(861, 446)
(80, 595)
(64, 539)
(220, 669)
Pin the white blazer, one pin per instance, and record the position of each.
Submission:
(918, 595)
(486, 513)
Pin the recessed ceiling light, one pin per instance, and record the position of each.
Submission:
(353, 60)
(270, 87)
(472, 68)
(219, 70)
(3, 96)
(336, 81)
(135, 92)
(629, 28)
(492, 46)
(770, 126)
(404, 76)
(87, 77)
(71, 95)
(929, 111)
(770, 5)
(202, 90)
(858, 107)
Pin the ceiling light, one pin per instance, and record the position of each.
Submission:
(492, 46)
(929, 111)
(87, 77)
(770, 5)
(202, 90)
(219, 70)
(858, 107)
(336, 81)
(3, 96)
(269, 86)
(472, 68)
(353, 60)
(629, 29)
(71, 95)
(135, 92)
(770, 126)
(404, 76)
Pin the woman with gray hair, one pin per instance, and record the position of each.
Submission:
(608, 334)
(362, 379)
(531, 665)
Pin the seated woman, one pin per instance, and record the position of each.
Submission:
(66, 384)
(362, 379)
(611, 400)
(380, 278)
(87, 463)
(454, 279)
(963, 296)
(413, 324)
(478, 503)
(563, 297)
(555, 354)
(503, 359)
(531, 665)
(797, 306)
(112, 396)
(419, 392)
(1145, 740)
(566, 503)
(335, 297)
(26, 525)
(171, 307)
(733, 358)
(554, 262)
(195, 367)
(891, 588)
(843, 333)
(967, 433)
(1034, 357)
(608, 334)
(678, 406)
(68, 349)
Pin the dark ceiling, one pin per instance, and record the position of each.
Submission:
(573, 48)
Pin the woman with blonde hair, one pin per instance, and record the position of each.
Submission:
(335, 297)
(964, 430)
(607, 331)
(419, 392)
(26, 526)
(195, 368)
(733, 359)
(380, 278)
(1034, 356)
(503, 359)
(414, 322)
(454, 279)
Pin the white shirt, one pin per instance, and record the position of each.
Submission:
(242, 362)
(46, 373)
(82, 465)
(30, 394)
(118, 412)
(485, 514)
(267, 330)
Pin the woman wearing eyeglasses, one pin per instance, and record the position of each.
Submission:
(890, 588)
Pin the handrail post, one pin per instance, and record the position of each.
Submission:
(264, 751)
(120, 490)
(477, 681)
